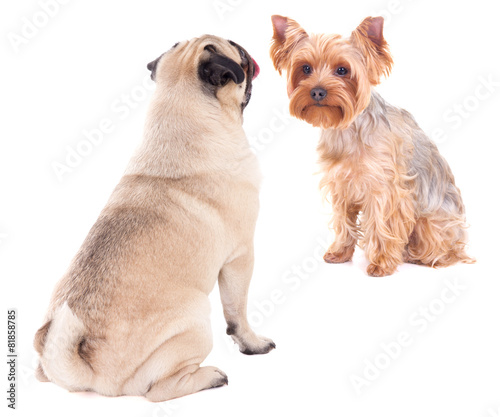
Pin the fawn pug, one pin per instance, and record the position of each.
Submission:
(131, 315)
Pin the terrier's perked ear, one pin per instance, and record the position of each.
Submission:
(368, 37)
(287, 35)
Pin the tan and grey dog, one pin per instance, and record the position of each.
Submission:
(131, 315)
(391, 190)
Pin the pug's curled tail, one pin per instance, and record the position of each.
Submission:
(59, 342)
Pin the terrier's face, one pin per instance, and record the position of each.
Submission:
(329, 77)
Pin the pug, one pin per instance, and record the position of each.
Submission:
(131, 315)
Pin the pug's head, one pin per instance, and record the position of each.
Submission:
(218, 68)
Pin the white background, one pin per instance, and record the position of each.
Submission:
(329, 321)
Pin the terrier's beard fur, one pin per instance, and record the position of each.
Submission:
(342, 104)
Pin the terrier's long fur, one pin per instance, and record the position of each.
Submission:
(131, 315)
(392, 193)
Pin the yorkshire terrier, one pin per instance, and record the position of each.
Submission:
(392, 193)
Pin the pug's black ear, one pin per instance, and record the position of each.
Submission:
(152, 67)
(219, 69)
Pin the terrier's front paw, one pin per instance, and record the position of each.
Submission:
(377, 271)
(341, 256)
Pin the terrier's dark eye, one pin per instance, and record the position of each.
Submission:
(307, 69)
(341, 71)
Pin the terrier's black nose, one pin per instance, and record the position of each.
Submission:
(318, 94)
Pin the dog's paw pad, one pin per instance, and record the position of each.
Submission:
(377, 271)
(219, 382)
(338, 257)
(219, 378)
(261, 349)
